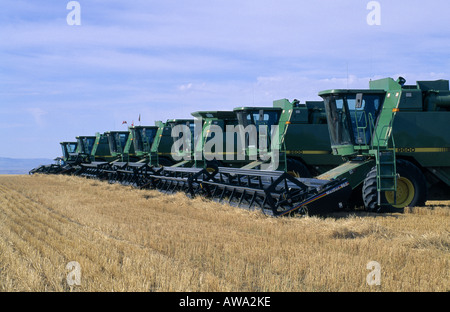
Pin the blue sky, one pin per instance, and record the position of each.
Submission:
(164, 59)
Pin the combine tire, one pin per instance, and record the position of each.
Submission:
(297, 169)
(411, 190)
(213, 165)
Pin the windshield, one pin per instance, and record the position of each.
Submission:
(186, 131)
(71, 147)
(223, 124)
(143, 138)
(68, 148)
(117, 141)
(258, 118)
(264, 121)
(351, 117)
(86, 144)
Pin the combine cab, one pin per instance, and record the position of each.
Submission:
(140, 140)
(110, 146)
(161, 153)
(302, 143)
(85, 146)
(256, 125)
(211, 150)
(68, 148)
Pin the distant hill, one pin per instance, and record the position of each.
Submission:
(21, 166)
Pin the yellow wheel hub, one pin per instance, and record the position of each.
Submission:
(405, 193)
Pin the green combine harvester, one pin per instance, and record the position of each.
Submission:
(60, 164)
(396, 138)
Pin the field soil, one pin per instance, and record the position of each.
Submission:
(123, 239)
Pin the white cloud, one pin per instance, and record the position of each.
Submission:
(185, 87)
(38, 114)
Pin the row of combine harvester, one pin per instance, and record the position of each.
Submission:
(383, 148)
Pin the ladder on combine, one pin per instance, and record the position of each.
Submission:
(386, 166)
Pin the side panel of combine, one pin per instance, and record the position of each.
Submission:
(422, 136)
(305, 137)
(100, 150)
(311, 144)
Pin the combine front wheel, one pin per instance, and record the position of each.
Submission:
(411, 189)
(297, 169)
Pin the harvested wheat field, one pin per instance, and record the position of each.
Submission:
(126, 239)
